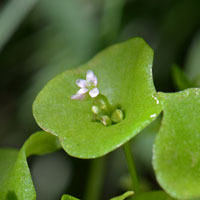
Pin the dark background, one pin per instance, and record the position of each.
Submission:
(40, 39)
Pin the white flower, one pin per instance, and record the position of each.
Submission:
(88, 85)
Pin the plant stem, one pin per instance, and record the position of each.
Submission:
(104, 104)
(131, 167)
(95, 179)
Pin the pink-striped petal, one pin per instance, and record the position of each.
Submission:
(81, 83)
(95, 81)
(82, 91)
(91, 78)
(78, 97)
(94, 92)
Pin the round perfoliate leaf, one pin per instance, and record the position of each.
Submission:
(124, 73)
(176, 154)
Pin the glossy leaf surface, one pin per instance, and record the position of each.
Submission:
(124, 73)
(15, 177)
(176, 155)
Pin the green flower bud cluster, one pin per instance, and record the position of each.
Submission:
(105, 113)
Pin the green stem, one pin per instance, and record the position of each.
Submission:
(103, 103)
(131, 167)
(95, 179)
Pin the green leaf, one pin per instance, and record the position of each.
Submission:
(123, 196)
(68, 197)
(180, 79)
(153, 195)
(176, 155)
(8, 158)
(124, 74)
(15, 177)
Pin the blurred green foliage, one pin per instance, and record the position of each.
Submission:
(40, 39)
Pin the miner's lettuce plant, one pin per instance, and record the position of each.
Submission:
(124, 73)
(100, 106)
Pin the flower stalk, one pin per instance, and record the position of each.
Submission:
(131, 167)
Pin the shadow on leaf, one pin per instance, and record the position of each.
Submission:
(11, 196)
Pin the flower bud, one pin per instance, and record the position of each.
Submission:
(117, 116)
(95, 110)
(105, 119)
(101, 104)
